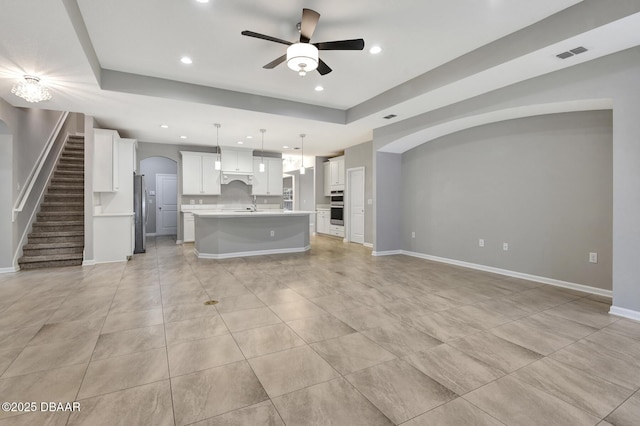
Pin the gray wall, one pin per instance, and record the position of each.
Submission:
(150, 167)
(542, 184)
(362, 156)
(612, 80)
(388, 202)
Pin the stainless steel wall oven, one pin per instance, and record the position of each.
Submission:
(337, 208)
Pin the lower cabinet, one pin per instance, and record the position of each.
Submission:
(188, 228)
(322, 222)
(336, 230)
(113, 237)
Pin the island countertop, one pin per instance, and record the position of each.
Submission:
(259, 213)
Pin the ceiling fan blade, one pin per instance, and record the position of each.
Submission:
(265, 37)
(308, 24)
(323, 68)
(355, 44)
(276, 62)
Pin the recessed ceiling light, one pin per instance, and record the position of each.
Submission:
(319, 88)
(186, 60)
(202, 1)
(249, 137)
(240, 142)
(164, 126)
(375, 50)
(183, 137)
(286, 147)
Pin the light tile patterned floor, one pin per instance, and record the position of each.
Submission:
(333, 336)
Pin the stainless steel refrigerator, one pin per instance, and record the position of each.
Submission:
(140, 211)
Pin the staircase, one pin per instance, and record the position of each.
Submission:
(57, 236)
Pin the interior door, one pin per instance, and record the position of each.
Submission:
(356, 205)
(167, 205)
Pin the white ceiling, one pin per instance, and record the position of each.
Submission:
(148, 37)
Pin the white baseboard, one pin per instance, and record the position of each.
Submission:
(88, 262)
(250, 253)
(544, 280)
(386, 253)
(9, 270)
(179, 242)
(110, 261)
(625, 313)
(369, 245)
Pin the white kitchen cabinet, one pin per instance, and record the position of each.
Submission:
(336, 230)
(323, 219)
(188, 228)
(105, 160)
(268, 182)
(237, 160)
(199, 176)
(337, 173)
(327, 178)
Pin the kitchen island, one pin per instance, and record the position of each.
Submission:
(222, 235)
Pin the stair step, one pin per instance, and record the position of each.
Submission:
(56, 206)
(55, 227)
(50, 258)
(42, 234)
(60, 216)
(59, 223)
(70, 244)
(68, 173)
(72, 157)
(65, 164)
(37, 251)
(68, 180)
(56, 240)
(66, 189)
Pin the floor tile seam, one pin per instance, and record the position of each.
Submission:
(566, 400)
(42, 371)
(270, 353)
(480, 408)
(122, 390)
(198, 339)
(373, 404)
(606, 379)
(621, 404)
(615, 320)
(525, 384)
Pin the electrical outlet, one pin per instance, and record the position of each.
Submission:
(200, 201)
(370, 201)
(481, 242)
(505, 246)
(593, 257)
(192, 201)
(273, 233)
(413, 234)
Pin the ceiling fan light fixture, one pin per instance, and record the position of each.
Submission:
(302, 58)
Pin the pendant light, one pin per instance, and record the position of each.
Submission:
(218, 164)
(262, 160)
(302, 135)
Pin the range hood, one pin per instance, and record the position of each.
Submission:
(228, 177)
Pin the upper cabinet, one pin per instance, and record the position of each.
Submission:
(337, 173)
(327, 178)
(268, 182)
(105, 160)
(199, 176)
(237, 160)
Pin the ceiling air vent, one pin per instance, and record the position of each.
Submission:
(570, 53)
(389, 117)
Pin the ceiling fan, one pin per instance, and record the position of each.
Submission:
(303, 56)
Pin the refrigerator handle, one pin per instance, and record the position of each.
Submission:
(145, 207)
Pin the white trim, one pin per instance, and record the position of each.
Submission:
(9, 270)
(625, 313)
(369, 245)
(536, 278)
(386, 253)
(178, 242)
(250, 253)
(88, 262)
(111, 261)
